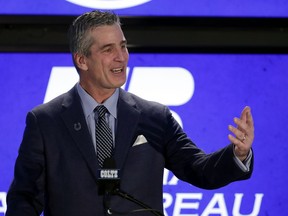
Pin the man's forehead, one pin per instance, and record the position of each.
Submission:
(105, 35)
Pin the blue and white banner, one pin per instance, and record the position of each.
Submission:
(238, 8)
(204, 91)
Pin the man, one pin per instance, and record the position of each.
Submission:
(56, 169)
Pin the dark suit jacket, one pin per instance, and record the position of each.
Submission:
(57, 166)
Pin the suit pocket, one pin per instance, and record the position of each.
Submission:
(140, 147)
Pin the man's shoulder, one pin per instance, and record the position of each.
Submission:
(130, 97)
(142, 104)
(57, 103)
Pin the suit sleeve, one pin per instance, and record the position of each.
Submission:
(26, 193)
(189, 163)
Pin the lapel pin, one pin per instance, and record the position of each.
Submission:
(77, 126)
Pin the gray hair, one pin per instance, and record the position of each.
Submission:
(79, 39)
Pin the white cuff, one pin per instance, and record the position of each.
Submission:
(243, 165)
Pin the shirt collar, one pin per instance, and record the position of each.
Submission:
(89, 104)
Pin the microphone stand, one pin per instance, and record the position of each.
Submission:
(111, 187)
(130, 198)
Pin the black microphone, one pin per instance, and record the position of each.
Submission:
(108, 181)
(109, 177)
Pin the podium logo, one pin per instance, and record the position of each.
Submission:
(108, 4)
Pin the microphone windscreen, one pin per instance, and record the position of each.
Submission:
(109, 163)
(108, 176)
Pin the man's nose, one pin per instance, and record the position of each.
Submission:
(121, 55)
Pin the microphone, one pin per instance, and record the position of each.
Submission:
(109, 184)
(109, 177)
(108, 181)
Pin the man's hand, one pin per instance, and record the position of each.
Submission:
(243, 134)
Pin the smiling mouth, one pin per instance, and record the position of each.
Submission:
(117, 70)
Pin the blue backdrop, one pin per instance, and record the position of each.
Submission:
(208, 91)
(241, 8)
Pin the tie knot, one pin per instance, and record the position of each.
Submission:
(101, 110)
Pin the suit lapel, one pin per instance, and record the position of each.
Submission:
(127, 121)
(74, 119)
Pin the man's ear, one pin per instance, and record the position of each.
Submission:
(80, 61)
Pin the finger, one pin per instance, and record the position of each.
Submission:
(239, 134)
(240, 145)
(242, 140)
(249, 120)
(244, 112)
(247, 127)
(234, 140)
(247, 116)
(243, 145)
(241, 125)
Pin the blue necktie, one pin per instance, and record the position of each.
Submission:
(104, 139)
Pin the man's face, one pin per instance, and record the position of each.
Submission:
(106, 65)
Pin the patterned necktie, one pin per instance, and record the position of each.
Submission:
(104, 140)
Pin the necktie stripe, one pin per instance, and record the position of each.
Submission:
(104, 140)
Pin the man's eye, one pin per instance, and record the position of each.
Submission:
(108, 50)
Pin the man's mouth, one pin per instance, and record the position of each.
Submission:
(117, 70)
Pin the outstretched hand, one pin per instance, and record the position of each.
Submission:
(243, 133)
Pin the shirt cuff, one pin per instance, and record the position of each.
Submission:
(244, 165)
